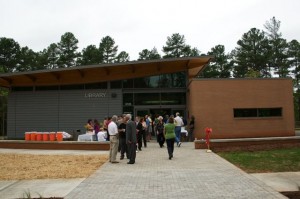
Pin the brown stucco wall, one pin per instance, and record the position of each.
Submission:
(212, 101)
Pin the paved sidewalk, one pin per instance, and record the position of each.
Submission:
(190, 174)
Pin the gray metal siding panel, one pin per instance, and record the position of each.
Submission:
(11, 130)
(64, 110)
(115, 103)
(75, 108)
(36, 111)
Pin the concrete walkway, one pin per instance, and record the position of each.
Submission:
(191, 174)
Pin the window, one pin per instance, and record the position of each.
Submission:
(257, 112)
(128, 83)
(100, 85)
(128, 99)
(25, 88)
(173, 98)
(116, 84)
(46, 88)
(147, 82)
(146, 99)
(72, 87)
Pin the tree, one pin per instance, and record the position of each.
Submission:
(221, 66)
(175, 46)
(90, 55)
(108, 50)
(9, 54)
(122, 57)
(149, 54)
(278, 48)
(67, 50)
(272, 26)
(253, 52)
(27, 60)
(294, 59)
(188, 51)
(294, 62)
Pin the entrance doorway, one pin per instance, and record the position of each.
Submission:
(161, 112)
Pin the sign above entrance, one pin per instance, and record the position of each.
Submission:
(95, 95)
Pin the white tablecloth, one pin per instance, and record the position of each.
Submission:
(183, 131)
(85, 137)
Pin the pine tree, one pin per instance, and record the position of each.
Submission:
(67, 50)
(108, 50)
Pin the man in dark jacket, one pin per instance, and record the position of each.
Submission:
(130, 138)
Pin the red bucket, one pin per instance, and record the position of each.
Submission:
(33, 136)
(52, 136)
(45, 136)
(59, 136)
(27, 136)
(39, 136)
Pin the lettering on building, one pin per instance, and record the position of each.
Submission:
(95, 95)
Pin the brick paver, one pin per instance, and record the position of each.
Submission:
(190, 174)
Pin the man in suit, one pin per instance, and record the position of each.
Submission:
(130, 138)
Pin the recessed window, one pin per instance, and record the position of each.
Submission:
(22, 88)
(257, 112)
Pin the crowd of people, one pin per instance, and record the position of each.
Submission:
(128, 137)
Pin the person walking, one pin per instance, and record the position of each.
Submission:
(169, 133)
(114, 140)
(122, 138)
(160, 132)
(179, 123)
(130, 139)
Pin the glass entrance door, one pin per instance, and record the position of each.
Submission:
(160, 112)
(141, 112)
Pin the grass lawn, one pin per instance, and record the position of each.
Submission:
(277, 160)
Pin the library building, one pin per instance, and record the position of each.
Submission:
(64, 99)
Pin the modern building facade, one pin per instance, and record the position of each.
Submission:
(64, 99)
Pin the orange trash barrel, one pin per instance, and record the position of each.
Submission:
(39, 136)
(59, 136)
(52, 136)
(27, 136)
(45, 136)
(33, 136)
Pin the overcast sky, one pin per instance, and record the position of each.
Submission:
(139, 24)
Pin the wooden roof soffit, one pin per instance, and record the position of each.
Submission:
(8, 80)
(31, 77)
(132, 68)
(56, 75)
(107, 71)
(158, 67)
(81, 73)
(187, 64)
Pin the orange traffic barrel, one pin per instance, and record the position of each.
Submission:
(27, 136)
(45, 136)
(39, 136)
(33, 136)
(52, 136)
(59, 136)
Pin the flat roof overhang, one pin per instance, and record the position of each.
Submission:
(105, 72)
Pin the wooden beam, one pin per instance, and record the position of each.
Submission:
(31, 77)
(56, 75)
(81, 72)
(7, 79)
